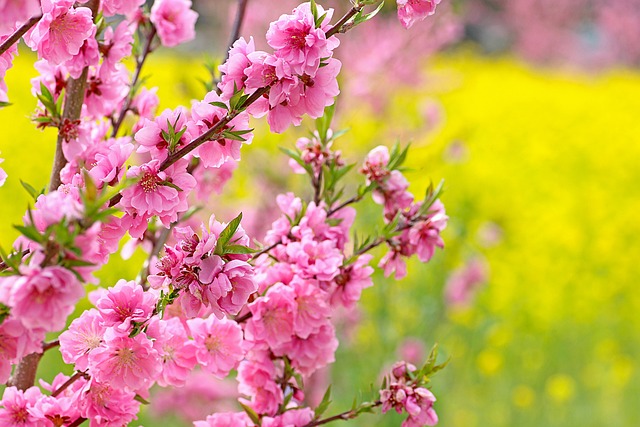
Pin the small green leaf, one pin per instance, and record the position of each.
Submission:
(227, 234)
(239, 249)
(251, 413)
(141, 400)
(30, 232)
(32, 191)
(324, 404)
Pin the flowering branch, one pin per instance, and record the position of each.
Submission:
(350, 14)
(67, 383)
(13, 38)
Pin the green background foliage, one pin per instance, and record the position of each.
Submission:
(549, 157)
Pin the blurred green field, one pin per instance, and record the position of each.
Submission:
(549, 157)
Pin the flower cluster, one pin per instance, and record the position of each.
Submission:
(301, 72)
(420, 223)
(405, 395)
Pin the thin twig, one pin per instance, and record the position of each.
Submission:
(343, 205)
(346, 415)
(338, 27)
(50, 345)
(136, 76)
(13, 38)
(67, 383)
(237, 25)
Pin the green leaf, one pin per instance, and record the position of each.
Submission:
(4, 104)
(32, 191)
(4, 312)
(227, 234)
(360, 17)
(239, 249)
(30, 232)
(251, 413)
(324, 123)
(324, 404)
(220, 105)
(141, 400)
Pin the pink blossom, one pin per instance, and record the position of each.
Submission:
(352, 280)
(425, 235)
(272, 316)
(291, 418)
(153, 136)
(256, 380)
(205, 115)
(232, 70)
(106, 90)
(15, 407)
(125, 303)
(311, 259)
(218, 344)
(88, 55)
(117, 44)
(417, 402)
(412, 11)
(125, 362)
(44, 297)
(174, 20)
(309, 354)
(120, 7)
(53, 411)
(145, 103)
(6, 62)
(16, 12)
(212, 181)
(225, 419)
(83, 336)
(153, 196)
(108, 165)
(319, 90)
(61, 31)
(296, 39)
(53, 207)
(463, 282)
(15, 342)
(106, 405)
(176, 352)
(312, 308)
(392, 262)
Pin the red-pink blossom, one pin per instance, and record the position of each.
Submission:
(153, 135)
(425, 234)
(352, 280)
(272, 317)
(174, 20)
(218, 344)
(232, 70)
(125, 303)
(256, 380)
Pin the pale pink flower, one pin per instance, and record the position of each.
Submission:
(174, 20)
(425, 234)
(177, 353)
(392, 262)
(463, 282)
(412, 11)
(417, 402)
(88, 55)
(16, 12)
(256, 379)
(106, 90)
(319, 90)
(120, 7)
(44, 297)
(125, 362)
(52, 411)
(218, 344)
(61, 31)
(225, 419)
(312, 259)
(15, 342)
(15, 407)
(232, 70)
(83, 336)
(125, 303)
(291, 418)
(53, 207)
(106, 405)
(212, 181)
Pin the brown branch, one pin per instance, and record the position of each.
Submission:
(50, 345)
(24, 375)
(13, 38)
(67, 383)
(343, 416)
(338, 27)
(73, 100)
(136, 76)
(237, 25)
(4, 266)
(77, 422)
